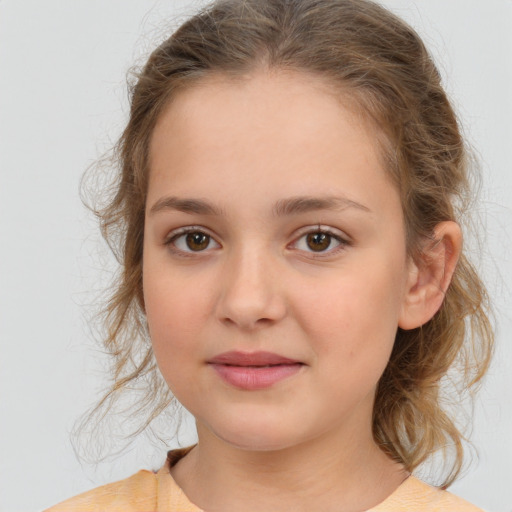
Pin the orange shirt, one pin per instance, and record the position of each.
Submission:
(146, 491)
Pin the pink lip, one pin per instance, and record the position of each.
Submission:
(254, 370)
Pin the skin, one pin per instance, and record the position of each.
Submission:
(245, 147)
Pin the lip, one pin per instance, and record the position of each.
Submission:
(254, 370)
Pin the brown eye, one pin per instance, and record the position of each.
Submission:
(190, 241)
(321, 241)
(197, 241)
(318, 241)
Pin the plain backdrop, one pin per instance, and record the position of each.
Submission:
(63, 101)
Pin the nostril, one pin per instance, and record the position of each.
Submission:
(247, 322)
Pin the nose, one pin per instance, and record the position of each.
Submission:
(251, 291)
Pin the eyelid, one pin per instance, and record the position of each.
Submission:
(185, 230)
(341, 237)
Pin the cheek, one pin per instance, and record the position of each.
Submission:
(354, 316)
(175, 314)
(174, 327)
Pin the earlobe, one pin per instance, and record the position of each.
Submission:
(430, 276)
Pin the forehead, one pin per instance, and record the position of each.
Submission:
(268, 99)
(292, 130)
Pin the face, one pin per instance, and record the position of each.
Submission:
(274, 263)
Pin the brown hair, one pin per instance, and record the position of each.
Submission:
(380, 63)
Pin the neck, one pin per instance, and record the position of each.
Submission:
(347, 473)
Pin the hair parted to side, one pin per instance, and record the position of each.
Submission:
(380, 64)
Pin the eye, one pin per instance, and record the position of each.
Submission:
(320, 241)
(190, 240)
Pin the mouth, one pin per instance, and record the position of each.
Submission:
(254, 370)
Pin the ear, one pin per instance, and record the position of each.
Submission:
(430, 276)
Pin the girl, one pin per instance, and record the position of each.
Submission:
(291, 178)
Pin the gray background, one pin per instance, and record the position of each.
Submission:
(62, 102)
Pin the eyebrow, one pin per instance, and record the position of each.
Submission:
(304, 204)
(186, 205)
(283, 207)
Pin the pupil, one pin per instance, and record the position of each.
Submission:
(318, 241)
(197, 241)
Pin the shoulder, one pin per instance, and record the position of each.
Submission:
(133, 494)
(416, 495)
(144, 491)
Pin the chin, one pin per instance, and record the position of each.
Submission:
(258, 438)
(260, 444)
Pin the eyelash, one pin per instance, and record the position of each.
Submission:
(342, 242)
(170, 241)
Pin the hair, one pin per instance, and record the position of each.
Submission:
(381, 66)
